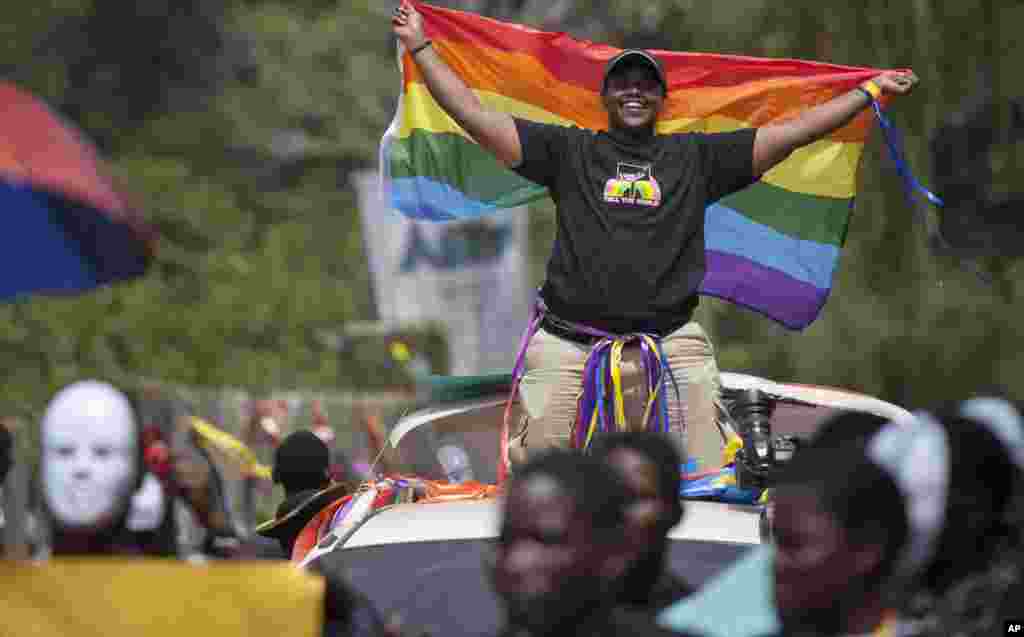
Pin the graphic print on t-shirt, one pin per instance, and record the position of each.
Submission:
(634, 184)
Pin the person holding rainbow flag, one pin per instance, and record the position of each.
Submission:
(614, 337)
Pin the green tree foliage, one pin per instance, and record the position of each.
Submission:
(237, 127)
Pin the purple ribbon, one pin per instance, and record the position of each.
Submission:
(597, 376)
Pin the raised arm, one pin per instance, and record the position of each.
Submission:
(493, 130)
(775, 142)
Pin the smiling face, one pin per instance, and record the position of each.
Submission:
(547, 563)
(89, 455)
(633, 96)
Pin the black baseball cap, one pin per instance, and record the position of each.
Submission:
(635, 56)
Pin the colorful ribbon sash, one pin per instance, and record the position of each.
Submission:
(601, 405)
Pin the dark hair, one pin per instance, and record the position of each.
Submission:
(982, 481)
(661, 451)
(867, 503)
(301, 463)
(598, 494)
(859, 495)
(972, 589)
(847, 428)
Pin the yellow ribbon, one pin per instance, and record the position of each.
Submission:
(652, 392)
(616, 347)
(729, 453)
(620, 403)
(592, 428)
(232, 447)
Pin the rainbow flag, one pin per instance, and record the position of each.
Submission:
(772, 247)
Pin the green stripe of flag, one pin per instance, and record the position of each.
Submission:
(454, 160)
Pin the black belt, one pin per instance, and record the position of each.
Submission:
(553, 325)
(563, 329)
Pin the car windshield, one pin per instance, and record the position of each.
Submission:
(442, 587)
(461, 442)
(454, 442)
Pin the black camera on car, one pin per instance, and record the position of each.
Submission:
(762, 454)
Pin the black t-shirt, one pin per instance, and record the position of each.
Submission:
(629, 245)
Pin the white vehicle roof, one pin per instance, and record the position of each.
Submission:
(478, 519)
(490, 409)
(817, 395)
(473, 520)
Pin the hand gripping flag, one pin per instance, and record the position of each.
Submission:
(772, 247)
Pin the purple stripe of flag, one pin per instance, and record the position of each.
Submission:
(737, 279)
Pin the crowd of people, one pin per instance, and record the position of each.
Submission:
(912, 527)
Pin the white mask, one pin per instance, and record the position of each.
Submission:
(89, 454)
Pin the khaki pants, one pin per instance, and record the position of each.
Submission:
(554, 379)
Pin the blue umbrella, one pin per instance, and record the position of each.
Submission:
(66, 227)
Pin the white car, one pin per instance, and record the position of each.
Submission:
(425, 560)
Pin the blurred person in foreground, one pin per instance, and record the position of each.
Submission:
(97, 494)
(868, 513)
(645, 248)
(562, 555)
(649, 464)
(977, 579)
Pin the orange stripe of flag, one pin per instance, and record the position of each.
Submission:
(521, 77)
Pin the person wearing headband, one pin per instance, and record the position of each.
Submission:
(976, 578)
(953, 472)
(838, 528)
(870, 513)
